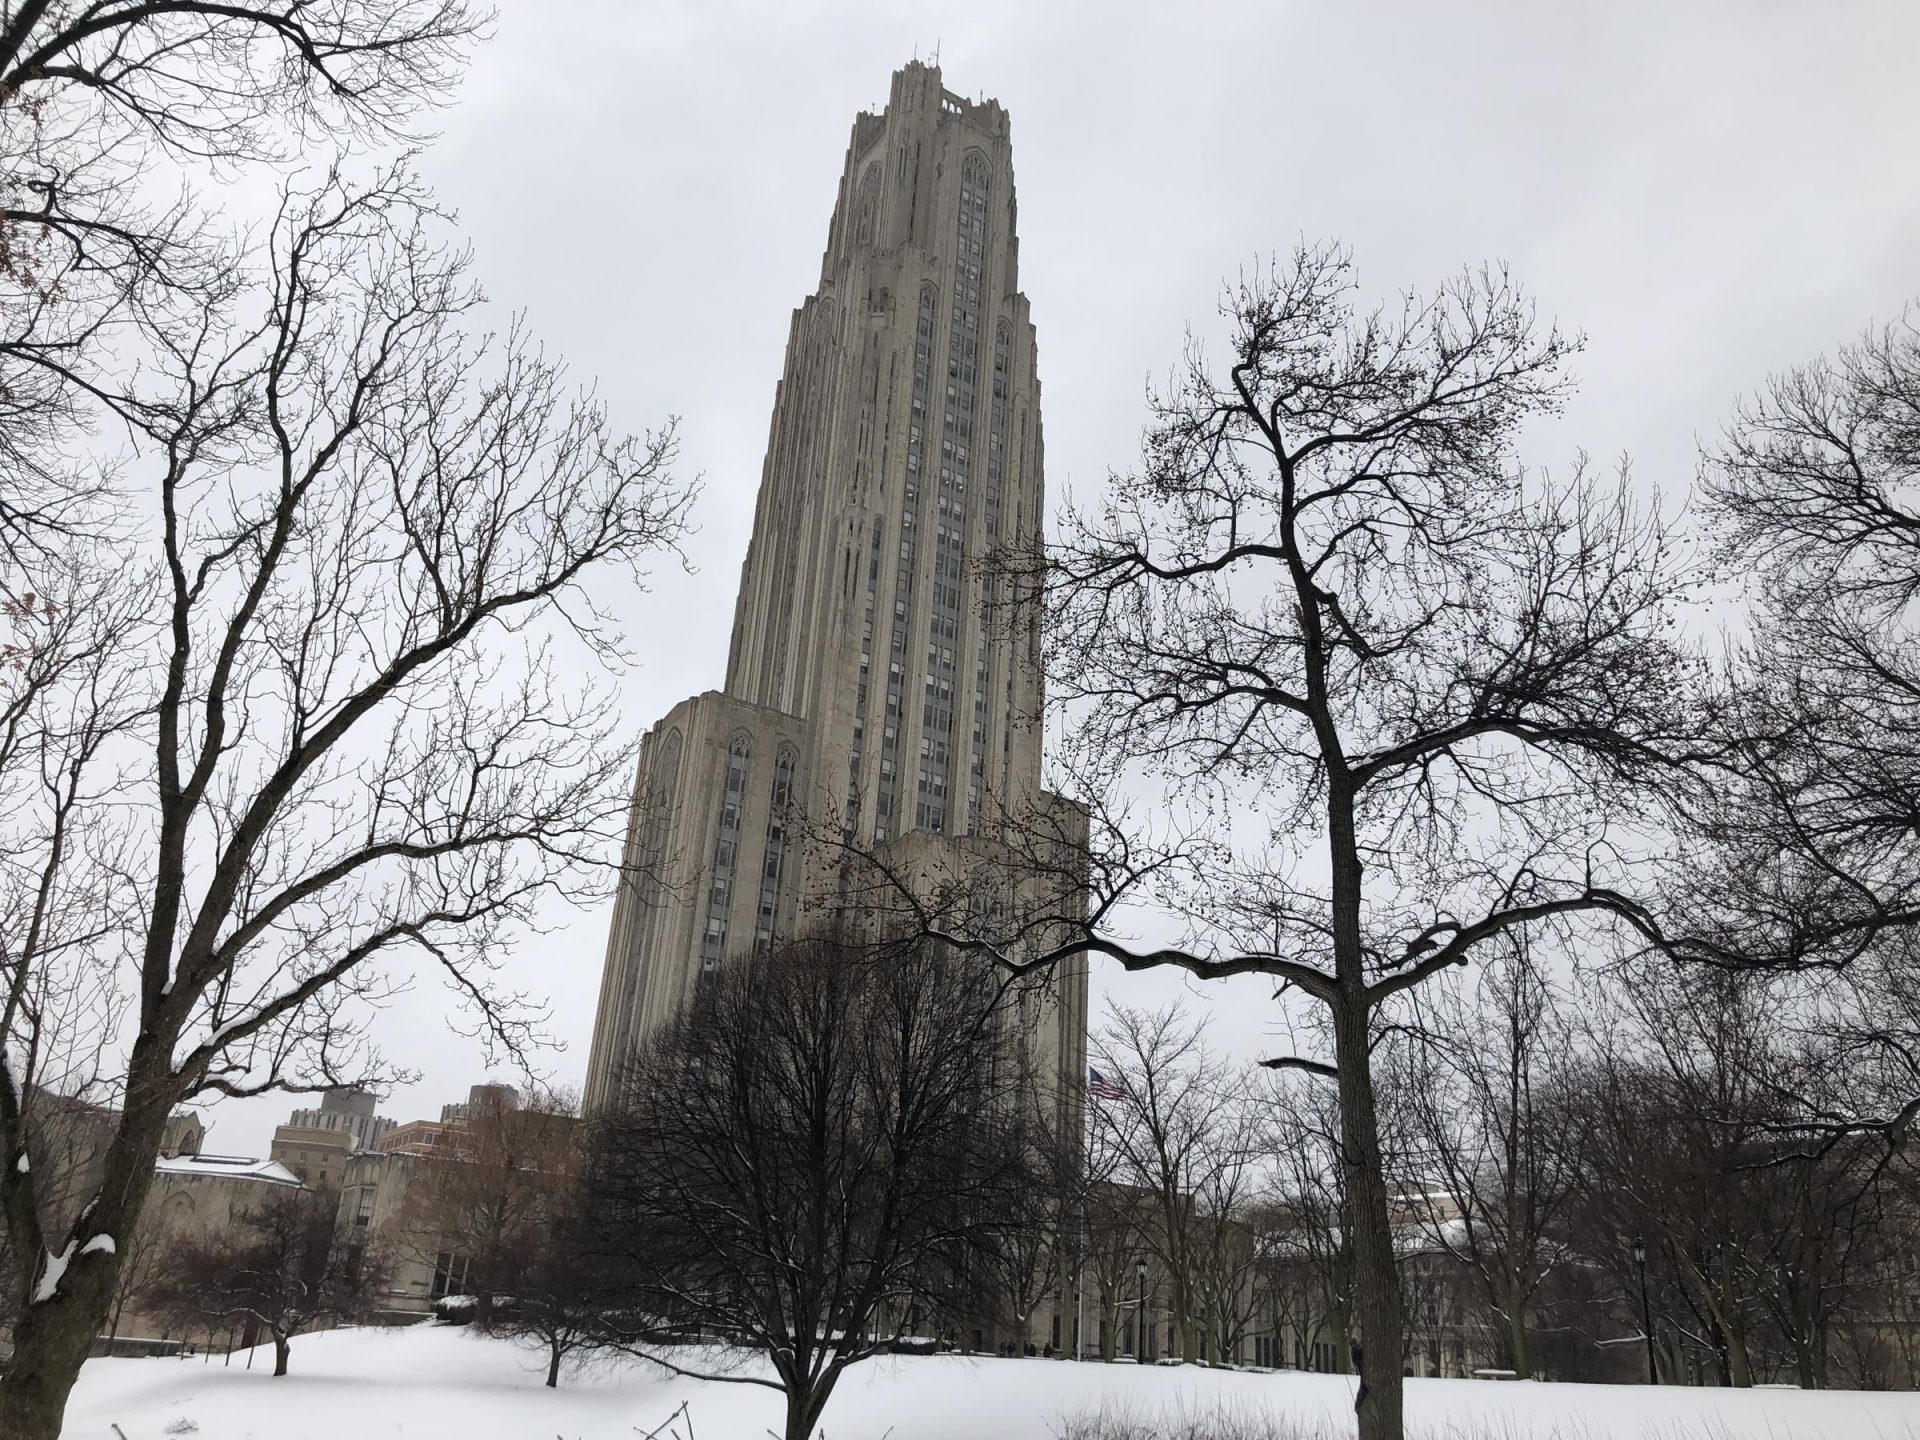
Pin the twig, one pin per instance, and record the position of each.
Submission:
(654, 1434)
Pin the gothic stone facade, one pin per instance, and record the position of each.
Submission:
(873, 676)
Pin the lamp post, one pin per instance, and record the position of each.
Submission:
(1140, 1319)
(1646, 1313)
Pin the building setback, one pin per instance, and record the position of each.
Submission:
(873, 677)
(315, 1144)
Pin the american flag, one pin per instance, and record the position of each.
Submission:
(1101, 1088)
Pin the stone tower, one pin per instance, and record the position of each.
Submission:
(870, 677)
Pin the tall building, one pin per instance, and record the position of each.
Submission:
(422, 1193)
(871, 676)
(481, 1100)
(315, 1144)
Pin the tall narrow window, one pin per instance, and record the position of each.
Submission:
(663, 787)
(867, 207)
(666, 779)
(776, 852)
(935, 778)
(883, 810)
(851, 821)
(990, 513)
(726, 854)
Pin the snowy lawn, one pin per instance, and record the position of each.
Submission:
(431, 1381)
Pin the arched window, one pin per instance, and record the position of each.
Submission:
(866, 210)
(726, 852)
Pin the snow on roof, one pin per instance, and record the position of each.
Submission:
(236, 1167)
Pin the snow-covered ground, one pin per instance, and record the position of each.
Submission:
(428, 1381)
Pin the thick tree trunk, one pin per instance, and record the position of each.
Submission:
(1377, 1303)
(1340, 1327)
(804, 1407)
(1376, 1276)
(553, 1368)
(1739, 1365)
(1736, 1368)
(1517, 1337)
(1725, 1324)
(51, 1339)
(281, 1349)
(1803, 1365)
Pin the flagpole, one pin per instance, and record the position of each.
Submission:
(1080, 1250)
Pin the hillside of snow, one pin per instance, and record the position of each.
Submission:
(430, 1381)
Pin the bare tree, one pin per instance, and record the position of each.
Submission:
(1231, 1240)
(1827, 1226)
(1760, 1235)
(1492, 1123)
(352, 754)
(1115, 1226)
(1185, 1137)
(284, 1266)
(1314, 1247)
(143, 1267)
(1026, 1260)
(809, 1158)
(1683, 1120)
(1278, 1296)
(106, 111)
(1806, 858)
(1330, 610)
(505, 1177)
(1167, 1140)
(72, 699)
(559, 1293)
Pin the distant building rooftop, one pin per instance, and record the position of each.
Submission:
(232, 1167)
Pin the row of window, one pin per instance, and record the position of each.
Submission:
(852, 820)
(903, 579)
(963, 357)
(963, 365)
(713, 942)
(776, 851)
(996, 450)
(726, 850)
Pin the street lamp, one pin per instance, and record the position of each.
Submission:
(1646, 1314)
(1140, 1319)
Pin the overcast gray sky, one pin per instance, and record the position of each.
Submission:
(1709, 190)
